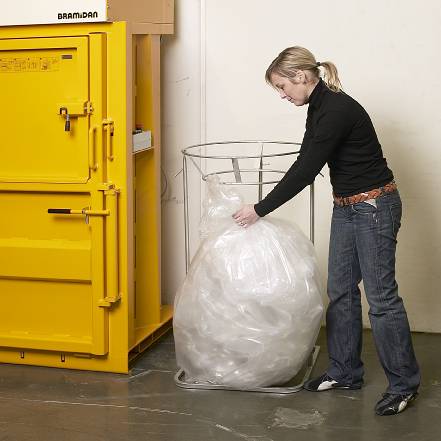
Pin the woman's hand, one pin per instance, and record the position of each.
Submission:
(246, 216)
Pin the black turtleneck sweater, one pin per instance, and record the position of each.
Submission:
(338, 132)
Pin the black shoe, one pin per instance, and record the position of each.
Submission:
(325, 382)
(391, 404)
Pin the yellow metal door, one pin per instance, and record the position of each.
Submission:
(52, 273)
(58, 231)
(44, 91)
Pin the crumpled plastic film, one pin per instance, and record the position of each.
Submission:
(249, 310)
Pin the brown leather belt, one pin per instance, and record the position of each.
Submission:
(365, 196)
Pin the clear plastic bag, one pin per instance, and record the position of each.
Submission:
(249, 310)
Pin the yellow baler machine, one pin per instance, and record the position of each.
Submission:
(79, 210)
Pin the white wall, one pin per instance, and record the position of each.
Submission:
(387, 53)
(181, 126)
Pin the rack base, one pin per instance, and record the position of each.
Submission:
(290, 387)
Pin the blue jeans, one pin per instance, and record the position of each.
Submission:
(362, 247)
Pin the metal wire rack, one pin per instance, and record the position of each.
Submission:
(265, 176)
(217, 151)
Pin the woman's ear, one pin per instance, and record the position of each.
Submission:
(300, 77)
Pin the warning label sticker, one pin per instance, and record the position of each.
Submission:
(22, 65)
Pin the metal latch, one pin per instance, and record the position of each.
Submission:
(87, 212)
(81, 108)
(88, 108)
(74, 109)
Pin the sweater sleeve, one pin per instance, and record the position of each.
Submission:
(330, 129)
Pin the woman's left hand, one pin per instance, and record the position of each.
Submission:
(246, 216)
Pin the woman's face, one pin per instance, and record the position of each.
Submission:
(296, 91)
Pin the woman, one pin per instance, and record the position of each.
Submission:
(365, 222)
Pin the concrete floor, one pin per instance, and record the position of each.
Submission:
(42, 404)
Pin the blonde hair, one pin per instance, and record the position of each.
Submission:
(296, 58)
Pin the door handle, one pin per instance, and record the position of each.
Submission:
(109, 128)
(86, 212)
(113, 294)
(92, 148)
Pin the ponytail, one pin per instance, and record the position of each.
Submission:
(331, 76)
